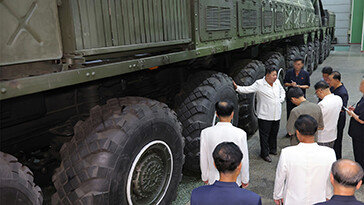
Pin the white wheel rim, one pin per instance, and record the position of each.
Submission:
(135, 162)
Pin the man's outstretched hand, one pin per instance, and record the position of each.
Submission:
(235, 86)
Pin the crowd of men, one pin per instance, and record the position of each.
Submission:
(311, 170)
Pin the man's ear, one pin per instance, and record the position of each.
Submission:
(215, 165)
(359, 184)
(239, 167)
(332, 180)
(232, 115)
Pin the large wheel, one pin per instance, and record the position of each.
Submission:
(246, 72)
(322, 51)
(317, 53)
(291, 53)
(277, 61)
(304, 55)
(328, 49)
(327, 46)
(16, 183)
(129, 151)
(311, 57)
(195, 107)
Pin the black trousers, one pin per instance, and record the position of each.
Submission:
(358, 147)
(289, 106)
(268, 131)
(339, 139)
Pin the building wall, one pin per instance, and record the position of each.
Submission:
(357, 21)
(342, 9)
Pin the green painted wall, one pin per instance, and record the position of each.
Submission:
(357, 21)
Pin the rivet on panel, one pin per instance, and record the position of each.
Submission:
(93, 73)
(87, 74)
(3, 90)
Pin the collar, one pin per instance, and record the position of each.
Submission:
(341, 86)
(266, 83)
(343, 198)
(225, 184)
(223, 124)
(302, 144)
(294, 72)
(304, 102)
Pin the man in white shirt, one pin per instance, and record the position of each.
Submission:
(303, 171)
(223, 131)
(270, 96)
(330, 105)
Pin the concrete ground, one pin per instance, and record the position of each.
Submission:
(350, 63)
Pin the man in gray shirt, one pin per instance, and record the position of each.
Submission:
(303, 107)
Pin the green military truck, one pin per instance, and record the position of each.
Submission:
(107, 98)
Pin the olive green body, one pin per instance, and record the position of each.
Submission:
(75, 39)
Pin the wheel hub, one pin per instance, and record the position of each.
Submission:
(148, 175)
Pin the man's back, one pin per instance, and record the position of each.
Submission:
(342, 200)
(330, 106)
(221, 193)
(210, 138)
(303, 174)
(305, 108)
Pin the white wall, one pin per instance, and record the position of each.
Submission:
(342, 9)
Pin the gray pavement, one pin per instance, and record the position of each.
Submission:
(262, 174)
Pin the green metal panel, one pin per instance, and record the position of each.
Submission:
(97, 26)
(267, 16)
(29, 31)
(289, 17)
(249, 16)
(279, 16)
(216, 19)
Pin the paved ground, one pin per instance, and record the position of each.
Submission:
(351, 65)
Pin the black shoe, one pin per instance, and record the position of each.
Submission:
(267, 159)
(273, 153)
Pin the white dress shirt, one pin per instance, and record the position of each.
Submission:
(269, 98)
(303, 174)
(210, 138)
(330, 107)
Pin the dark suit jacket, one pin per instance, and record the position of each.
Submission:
(342, 200)
(224, 193)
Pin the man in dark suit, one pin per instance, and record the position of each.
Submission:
(346, 177)
(227, 158)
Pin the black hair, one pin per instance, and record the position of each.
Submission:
(336, 75)
(298, 58)
(227, 157)
(224, 108)
(270, 69)
(306, 125)
(294, 92)
(326, 70)
(321, 85)
(347, 176)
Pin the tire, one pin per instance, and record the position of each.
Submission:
(317, 53)
(276, 60)
(16, 183)
(304, 55)
(322, 51)
(291, 53)
(327, 45)
(99, 165)
(195, 107)
(246, 72)
(311, 57)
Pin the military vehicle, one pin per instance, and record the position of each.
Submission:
(107, 98)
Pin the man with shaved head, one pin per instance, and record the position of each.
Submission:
(346, 177)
